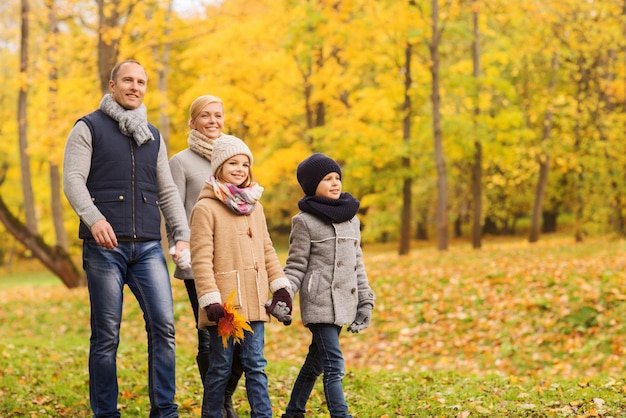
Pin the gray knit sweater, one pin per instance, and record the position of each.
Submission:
(190, 172)
(76, 167)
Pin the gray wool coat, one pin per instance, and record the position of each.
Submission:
(325, 264)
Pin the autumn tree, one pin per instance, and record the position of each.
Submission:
(27, 188)
(477, 166)
(440, 161)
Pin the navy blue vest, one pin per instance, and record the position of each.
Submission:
(123, 180)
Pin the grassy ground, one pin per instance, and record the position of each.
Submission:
(511, 330)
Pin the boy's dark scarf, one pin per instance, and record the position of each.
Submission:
(330, 210)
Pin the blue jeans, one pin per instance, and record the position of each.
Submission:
(204, 349)
(140, 265)
(253, 363)
(324, 357)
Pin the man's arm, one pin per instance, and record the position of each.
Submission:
(76, 167)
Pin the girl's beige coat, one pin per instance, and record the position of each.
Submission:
(232, 252)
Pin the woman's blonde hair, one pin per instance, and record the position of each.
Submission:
(199, 104)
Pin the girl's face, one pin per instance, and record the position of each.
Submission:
(210, 120)
(236, 170)
(329, 187)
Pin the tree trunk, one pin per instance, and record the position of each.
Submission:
(440, 162)
(580, 174)
(544, 161)
(540, 191)
(477, 166)
(549, 222)
(22, 117)
(53, 122)
(164, 119)
(54, 258)
(405, 219)
(108, 46)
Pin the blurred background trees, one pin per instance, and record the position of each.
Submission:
(450, 118)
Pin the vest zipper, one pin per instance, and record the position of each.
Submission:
(132, 186)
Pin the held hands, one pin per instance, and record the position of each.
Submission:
(362, 320)
(214, 311)
(280, 306)
(280, 311)
(183, 258)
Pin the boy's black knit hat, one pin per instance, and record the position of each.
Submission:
(313, 169)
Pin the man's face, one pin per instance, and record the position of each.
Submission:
(129, 86)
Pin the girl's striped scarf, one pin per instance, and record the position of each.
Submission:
(241, 201)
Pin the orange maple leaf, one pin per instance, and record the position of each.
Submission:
(232, 324)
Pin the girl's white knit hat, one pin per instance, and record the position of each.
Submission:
(225, 147)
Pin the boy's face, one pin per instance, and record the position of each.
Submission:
(329, 187)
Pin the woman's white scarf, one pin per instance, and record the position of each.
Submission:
(133, 123)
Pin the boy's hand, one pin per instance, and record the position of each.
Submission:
(362, 320)
(280, 311)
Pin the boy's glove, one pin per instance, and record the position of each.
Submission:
(362, 321)
(184, 258)
(214, 311)
(280, 311)
(281, 295)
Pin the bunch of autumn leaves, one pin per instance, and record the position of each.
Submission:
(232, 324)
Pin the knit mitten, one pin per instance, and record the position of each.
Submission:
(214, 311)
(280, 311)
(281, 295)
(362, 320)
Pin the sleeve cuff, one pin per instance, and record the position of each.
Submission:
(209, 299)
(280, 283)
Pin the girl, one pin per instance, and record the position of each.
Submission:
(231, 251)
(325, 264)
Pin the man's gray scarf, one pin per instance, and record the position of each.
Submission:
(132, 122)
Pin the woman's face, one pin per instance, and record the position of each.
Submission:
(210, 120)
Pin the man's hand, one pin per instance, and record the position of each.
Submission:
(181, 255)
(103, 233)
(182, 260)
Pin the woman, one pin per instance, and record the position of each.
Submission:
(190, 169)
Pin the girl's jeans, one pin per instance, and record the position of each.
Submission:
(253, 363)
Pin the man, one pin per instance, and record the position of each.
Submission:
(117, 179)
